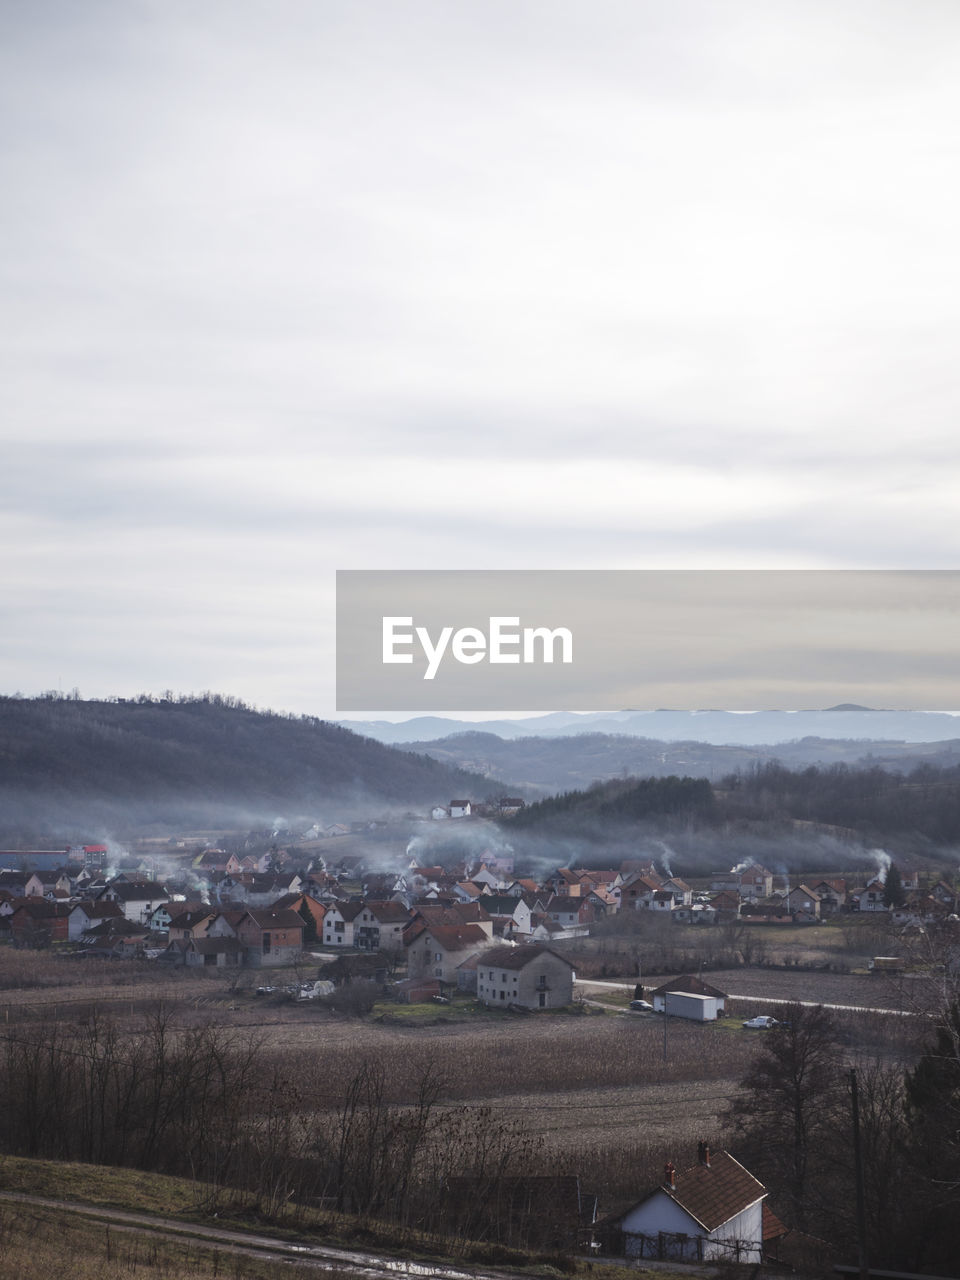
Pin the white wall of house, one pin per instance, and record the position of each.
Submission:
(660, 1213)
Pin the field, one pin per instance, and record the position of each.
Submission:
(595, 1090)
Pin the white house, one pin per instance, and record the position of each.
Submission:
(137, 898)
(339, 923)
(711, 1211)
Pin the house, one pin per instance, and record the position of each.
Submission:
(871, 898)
(712, 1211)
(802, 902)
(190, 924)
(510, 806)
(270, 937)
(339, 922)
(85, 915)
(832, 895)
(725, 903)
(755, 882)
(36, 922)
(920, 909)
(115, 938)
(680, 891)
(54, 883)
(137, 898)
(509, 915)
(380, 926)
(206, 953)
(310, 911)
(517, 888)
(459, 808)
(534, 977)
(637, 890)
(565, 882)
(426, 914)
(944, 894)
(570, 913)
(21, 884)
(543, 929)
(218, 860)
(437, 952)
(688, 984)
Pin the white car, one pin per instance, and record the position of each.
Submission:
(761, 1023)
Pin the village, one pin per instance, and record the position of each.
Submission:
(434, 929)
(350, 921)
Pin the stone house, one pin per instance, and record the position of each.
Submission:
(440, 949)
(534, 977)
(270, 937)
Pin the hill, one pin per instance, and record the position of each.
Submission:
(548, 764)
(67, 764)
(810, 819)
(846, 720)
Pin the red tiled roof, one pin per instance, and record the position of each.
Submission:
(389, 912)
(773, 1228)
(518, 957)
(458, 937)
(270, 919)
(715, 1193)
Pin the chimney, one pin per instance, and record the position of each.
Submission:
(703, 1154)
(670, 1175)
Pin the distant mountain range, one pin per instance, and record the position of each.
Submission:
(543, 766)
(721, 728)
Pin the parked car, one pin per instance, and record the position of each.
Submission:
(641, 1006)
(762, 1023)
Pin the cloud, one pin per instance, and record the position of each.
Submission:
(484, 284)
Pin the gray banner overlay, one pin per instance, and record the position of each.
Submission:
(607, 640)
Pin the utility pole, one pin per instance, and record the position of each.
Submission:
(858, 1166)
(664, 1027)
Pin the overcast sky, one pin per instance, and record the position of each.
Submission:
(309, 284)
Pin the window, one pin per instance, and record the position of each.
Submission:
(502, 995)
(266, 944)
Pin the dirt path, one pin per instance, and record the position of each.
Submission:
(324, 1258)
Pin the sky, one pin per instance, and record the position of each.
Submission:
(398, 284)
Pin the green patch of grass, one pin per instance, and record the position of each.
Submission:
(102, 1184)
(425, 1011)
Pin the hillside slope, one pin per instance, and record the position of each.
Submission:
(65, 761)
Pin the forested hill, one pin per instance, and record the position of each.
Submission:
(186, 758)
(916, 812)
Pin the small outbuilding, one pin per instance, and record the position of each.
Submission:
(687, 984)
